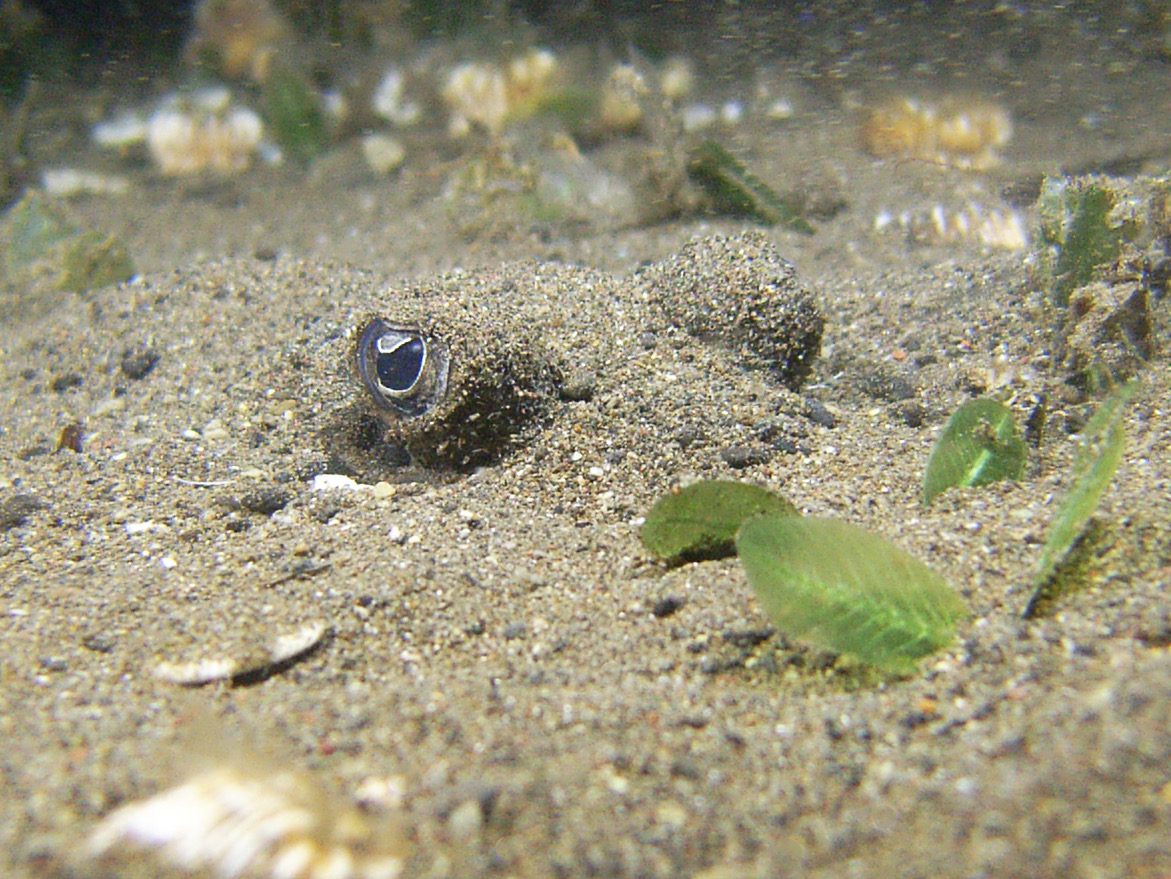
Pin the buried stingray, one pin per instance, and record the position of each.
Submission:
(305, 369)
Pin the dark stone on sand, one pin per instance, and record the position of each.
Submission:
(667, 605)
(739, 457)
(15, 510)
(819, 415)
(265, 500)
(66, 381)
(137, 362)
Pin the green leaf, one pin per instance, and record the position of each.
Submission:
(701, 520)
(293, 112)
(1103, 443)
(844, 589)
(979, 445)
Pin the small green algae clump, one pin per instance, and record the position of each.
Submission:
(1103, 443)
(701, 520)
(844, 589)
(43, 253)
(1077, 232)
(736, 191)
(980, 445)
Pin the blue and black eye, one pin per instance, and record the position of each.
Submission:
(404, 370)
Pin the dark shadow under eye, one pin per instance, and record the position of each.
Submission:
(399, 367)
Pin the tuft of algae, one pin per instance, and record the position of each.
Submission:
(43, 254)
(1103, 256)
(1102, 446)
(1077, 232)
(293, 112)
(700, 521)
(736, 191)
(980, 445)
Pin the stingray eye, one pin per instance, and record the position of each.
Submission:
(402, 369)
(398, 361)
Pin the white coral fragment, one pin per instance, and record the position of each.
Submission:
(487, 96)
(190, 141)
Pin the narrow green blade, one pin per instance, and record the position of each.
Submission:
(844, 589)
(1103, 443)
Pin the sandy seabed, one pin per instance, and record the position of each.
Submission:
(523, 688)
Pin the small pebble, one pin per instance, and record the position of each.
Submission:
(667, 605)
(465, 820)
(137, 362)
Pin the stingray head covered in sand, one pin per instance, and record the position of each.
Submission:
(294, 369)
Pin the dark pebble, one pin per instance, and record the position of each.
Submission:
(137, 362)
(513, 631)
(749, 637)
(66, 381)
(327, 512)
(70, 438)
(913, 413)
(739, 457)
(819, 415)
(580, 387)
(15, 510)
(98, 643)
(54, 663)
(667, 605)
(266, 500)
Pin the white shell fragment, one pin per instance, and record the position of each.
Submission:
(280, 649)
(68, 182)
(236, 825)
(995, 228)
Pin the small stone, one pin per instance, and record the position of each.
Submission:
(265, 500)
(819, 415)
(214, 430)
(514, 630)
(670, 814)
(137, 362)
(382, 153)
(15, 510)
(580, 386)
(334, 482)
(667, 605)
(108, 406)
(71, 438)
(66, 381)
(382, 490)
(466, 820)
(739, 457)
